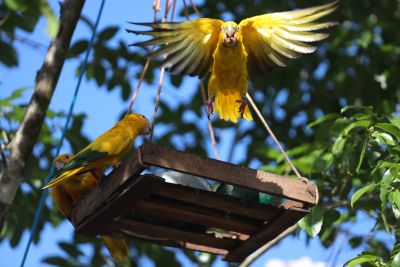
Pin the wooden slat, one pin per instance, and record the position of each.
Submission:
(196, 215)
(224, 172)
(178, 244)
(117, 205)
(109, 184)
(293, 212)
(161, 232)
(221, 202)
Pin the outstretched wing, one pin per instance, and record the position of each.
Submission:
(272, 39)
(187, 46)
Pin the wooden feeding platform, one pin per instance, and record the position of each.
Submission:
(144, 207)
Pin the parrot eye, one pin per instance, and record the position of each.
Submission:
(143, 117)
(221, 29)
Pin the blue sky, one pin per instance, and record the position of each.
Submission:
(103, 109)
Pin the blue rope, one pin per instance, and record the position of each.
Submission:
(51, 172)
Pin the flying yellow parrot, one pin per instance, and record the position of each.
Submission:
(66, 196)
(106, 150)
(233, 52)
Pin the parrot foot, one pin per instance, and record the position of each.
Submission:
(243, 104)
(210, 106)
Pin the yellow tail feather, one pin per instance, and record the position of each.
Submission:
(63, 177)
(118, 249)
(226, 104)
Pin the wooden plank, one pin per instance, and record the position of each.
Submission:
(229, 204)
(228, 173)
(293, 211)
(196, 215)
(177, 244)
(119, 204)
(162, 232)
(108, 185)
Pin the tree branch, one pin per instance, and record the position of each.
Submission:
(250, 259)
(22, 145)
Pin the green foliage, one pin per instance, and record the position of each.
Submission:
(22, 15)
(312, 223)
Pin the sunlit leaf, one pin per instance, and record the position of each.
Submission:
(362, 259)
(312, 223)
(360, 192)
(389, 128)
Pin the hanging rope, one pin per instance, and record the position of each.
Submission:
(162, 69)
(210, 127)
(264, 122)
(51, 172)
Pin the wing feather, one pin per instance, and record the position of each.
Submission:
(272, 39)
(187, 47)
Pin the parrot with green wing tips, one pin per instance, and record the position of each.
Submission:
(106, 150)
(66, 196)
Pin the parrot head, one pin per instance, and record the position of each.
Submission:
(140, 122)
(60, 161)
(230, 32)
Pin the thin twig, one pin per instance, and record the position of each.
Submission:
(210, 127)
(195, 8)
(260, 116)
(185, 9)
(162, 71)
(250, 259)
(156, 7)
(25, 40)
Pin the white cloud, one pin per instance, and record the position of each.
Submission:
(302, 262)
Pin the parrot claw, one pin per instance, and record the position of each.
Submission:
(243, 103)
(210, 106)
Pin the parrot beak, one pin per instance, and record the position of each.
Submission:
(230, 37)
(147, 129)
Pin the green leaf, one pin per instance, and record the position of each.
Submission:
(383, 195)
(362, 154)
(8, 55)
(52, 22)
(355, 242)
(108, 33)
(361, 192)
(17, 93)
(396, 198)
(56, 261)
(99, 74)
(362, 259)
(325, 118)
(338, 146)
(17, 5)
(70, 249)
(78, 48)
(362, 123)
(312, 223)
(389, 128)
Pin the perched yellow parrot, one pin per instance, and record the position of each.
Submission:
(66, 196)
(106, 150)
(234, 52)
